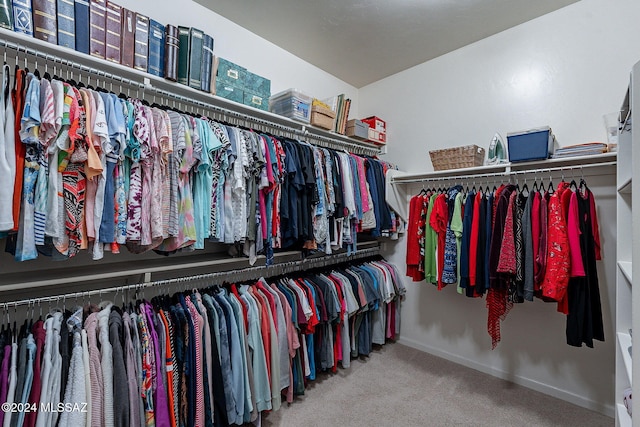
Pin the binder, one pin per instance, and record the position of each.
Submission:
(172, 41)
(45, 18)
(82, 25)
(113, 33)
(128, 37)
(97, 25)
(6, 14)
(183, 55)
(22, 17)
(66, 24)
(207, 62)
(156, 48)
(140, 61)
(195, 58)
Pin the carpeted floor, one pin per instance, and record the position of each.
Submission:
(400, 386)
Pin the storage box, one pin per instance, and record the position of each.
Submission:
(357, 129)
(257, 84)
(533, 144)
(292, 103)
(376, 123)
(322, 117)
(377, 136)
(255, 100)
(467, 156)
(230, 92)
(229, 73)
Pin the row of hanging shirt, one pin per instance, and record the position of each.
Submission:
(512, 245)
(218, 356)
(86, 169)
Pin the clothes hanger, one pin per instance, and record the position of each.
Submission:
(36, 71)
(80, 83)
(525, 188)
(46, 69)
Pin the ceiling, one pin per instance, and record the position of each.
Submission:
(362, 41)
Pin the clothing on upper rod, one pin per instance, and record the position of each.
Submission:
(86, 169)
(363, 149)
(505, 174)
(512, 244)
(220, 355)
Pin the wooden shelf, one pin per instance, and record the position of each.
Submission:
(626, 268)
(624, 342)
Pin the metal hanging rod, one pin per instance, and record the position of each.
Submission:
(224, 113)
(359, 148)
(506, 172)
(252, 273)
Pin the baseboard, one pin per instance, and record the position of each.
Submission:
(608, 410)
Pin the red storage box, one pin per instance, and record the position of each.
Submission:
(376, 123)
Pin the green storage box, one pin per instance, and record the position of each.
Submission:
(230, 92)
(255, 100)
(229, 73)
(257, 84)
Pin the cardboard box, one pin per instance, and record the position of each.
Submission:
(376, 123)
(357, 129)
(322, 117)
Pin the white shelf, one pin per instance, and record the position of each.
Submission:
(626, 268)
(87, 65)
(624, 342)
(627, 252)
(626, 186)
(624, 420)
(603, 160)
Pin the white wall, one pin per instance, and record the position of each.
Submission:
(566, 70)
(247, 49)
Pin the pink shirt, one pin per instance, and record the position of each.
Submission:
(364, 193)
(573, 230)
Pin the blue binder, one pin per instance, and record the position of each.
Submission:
(66, 24)
(23, 17)
(156, 48)
(82, 25)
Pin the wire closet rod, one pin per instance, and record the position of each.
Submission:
(249, 273)
(503, 173)
(226, 113)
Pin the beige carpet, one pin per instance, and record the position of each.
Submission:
(400, 386)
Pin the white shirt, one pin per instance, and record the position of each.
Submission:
(106, 363)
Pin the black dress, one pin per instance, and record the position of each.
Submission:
(584, 321)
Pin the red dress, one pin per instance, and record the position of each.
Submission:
(438, 222)
(556, 278)
(415, 237)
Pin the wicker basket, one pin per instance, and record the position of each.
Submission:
(457, 158)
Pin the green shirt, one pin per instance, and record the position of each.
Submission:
(456, 227)
(430, 242)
